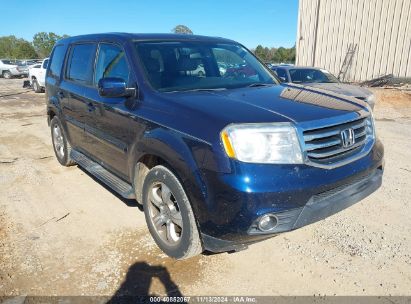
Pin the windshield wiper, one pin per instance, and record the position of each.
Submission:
(204, 90)
(259, 84)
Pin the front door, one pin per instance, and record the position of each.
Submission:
(110, 128)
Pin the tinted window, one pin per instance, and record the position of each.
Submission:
(178, 66)
(80, 67)
(57, 60)
(282, 74)
(111, 62)
(311, 75)
(45, 63)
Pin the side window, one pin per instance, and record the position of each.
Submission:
(282, 74)
(111, 62)
(57, 60)
(80, 66)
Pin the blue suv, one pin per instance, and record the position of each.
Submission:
(203, 135)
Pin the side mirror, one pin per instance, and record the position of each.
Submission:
(114, 87)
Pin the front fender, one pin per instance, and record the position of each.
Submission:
(182, 153)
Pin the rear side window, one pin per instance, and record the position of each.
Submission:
(111, 62)
(81, 61)
(57, 60)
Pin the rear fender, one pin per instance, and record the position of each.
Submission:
(54, 108)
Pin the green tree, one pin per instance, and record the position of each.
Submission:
(275, 55)
(280, 55)
(182, 29)
(259, 51)
(43, 42)
(15, 48)
(25, 50)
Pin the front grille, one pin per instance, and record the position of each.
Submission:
(324, 145)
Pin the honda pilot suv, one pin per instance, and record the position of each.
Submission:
(218, 160)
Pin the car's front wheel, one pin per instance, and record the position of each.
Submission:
(169, 215)
(61, 145)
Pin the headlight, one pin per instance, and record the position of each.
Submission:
(275, 143)
(371, 101)
(370, 127)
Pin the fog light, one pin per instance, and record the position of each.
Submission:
(267, 222)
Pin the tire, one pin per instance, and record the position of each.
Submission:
(166, 204)
(36, 86)
(200, 74)
(61, 146)
(7, 75)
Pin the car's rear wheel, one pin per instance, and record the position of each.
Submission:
(7, 74)
(36, 86)
(62, 147)
(169, 215)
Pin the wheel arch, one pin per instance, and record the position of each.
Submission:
(179, 154)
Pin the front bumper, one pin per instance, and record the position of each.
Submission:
(295, 198)
(319, 207)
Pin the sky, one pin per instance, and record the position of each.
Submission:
(271, 23)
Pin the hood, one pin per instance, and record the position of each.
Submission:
(277, 103)
(342, 88)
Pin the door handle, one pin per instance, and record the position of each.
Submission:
(91, 107)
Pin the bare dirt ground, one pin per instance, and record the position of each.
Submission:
(63, 233)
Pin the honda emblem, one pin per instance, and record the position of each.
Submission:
(347, 138)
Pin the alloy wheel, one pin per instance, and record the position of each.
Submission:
(58, 141)
(165, 214)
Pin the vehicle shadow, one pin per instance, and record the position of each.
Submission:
(13, 94)
(128, 202)
(136, 286)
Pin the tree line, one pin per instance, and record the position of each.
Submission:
(275, 55)
(12, 47)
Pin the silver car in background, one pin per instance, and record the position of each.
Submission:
(10, 68)
(320, 78)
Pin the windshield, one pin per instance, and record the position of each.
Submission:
(311, 75)
(182, 66)
(7, 62)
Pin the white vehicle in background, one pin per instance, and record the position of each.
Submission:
(37, 76)
(10, 68)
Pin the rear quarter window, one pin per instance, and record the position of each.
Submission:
(81, 62)
(57, 60)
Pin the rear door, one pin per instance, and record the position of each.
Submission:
(110, 128)
(78, 76)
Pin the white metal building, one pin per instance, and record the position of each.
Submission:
(373, 37)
